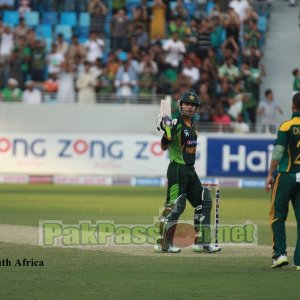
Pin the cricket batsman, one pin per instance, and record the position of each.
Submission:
(180, 138)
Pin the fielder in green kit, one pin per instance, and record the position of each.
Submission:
(180, 138)
(286, 185)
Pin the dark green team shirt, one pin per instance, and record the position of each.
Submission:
(289, 136)
(184, 142)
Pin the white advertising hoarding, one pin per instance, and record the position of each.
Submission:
(103, 154)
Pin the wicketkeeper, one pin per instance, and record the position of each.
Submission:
(180, 138)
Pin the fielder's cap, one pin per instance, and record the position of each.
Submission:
(12, 81)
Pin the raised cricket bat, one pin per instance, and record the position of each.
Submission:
(165, 110)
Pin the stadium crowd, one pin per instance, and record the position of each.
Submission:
(135, 50)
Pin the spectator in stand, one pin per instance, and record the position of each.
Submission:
(66, 84)
(6, 47)
(50, 87)
(239, 125)
(30, 38)
(221, 119)
(148, 62)
(146, 81)
(94, 47)
(228, 69)
(112, 65)
(86, 83)
(11, 93)
(158, 55)
(179, 11)
(62, 45)
(251, 14)
(133, 63)
(231, 49)
(210, 68)
(97, 68)
(232, 24)
(296, 82)
(240, 7)
(194, 58)
(24, 7)
(180, 26)
(31, 94)
(1, 26)
(105, 84)
(125, 81)
(236, 100)
(203, 39)
(191, 37)
(203, 93)
(252, 79)
(204, 115)
(139, 38)
(120, 31)
(158, 21)
(117, 5)
(25, 54)
(223, 94)
(182, 84)
(78, 65)
(191, 72)
(252, 35)
(267, 109)
(14, 66)
(141, 17)
(217, 34)
(252, 56)
(38, 61)
(76, 49)
(54, 59)
(174, 50)
(21, 29)
(97, 11)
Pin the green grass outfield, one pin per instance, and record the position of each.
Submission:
(105, 274)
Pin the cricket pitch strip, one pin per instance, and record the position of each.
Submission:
(29, 235)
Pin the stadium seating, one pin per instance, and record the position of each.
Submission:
(44, 31)
(83, 33)
(130, 4)
(209, 7)
(84, 19)
(11, 17)
(65, 30)
(50, 18)
(68, 18)
(262, 26)
(191, 8)
(32, 18)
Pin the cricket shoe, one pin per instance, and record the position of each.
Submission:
(296, 268)
(206, 249)
(280, 261)
(171, 249)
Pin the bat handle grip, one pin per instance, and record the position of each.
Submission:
(168, 133)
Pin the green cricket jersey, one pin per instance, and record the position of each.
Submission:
(182, 150)
(289, 136)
